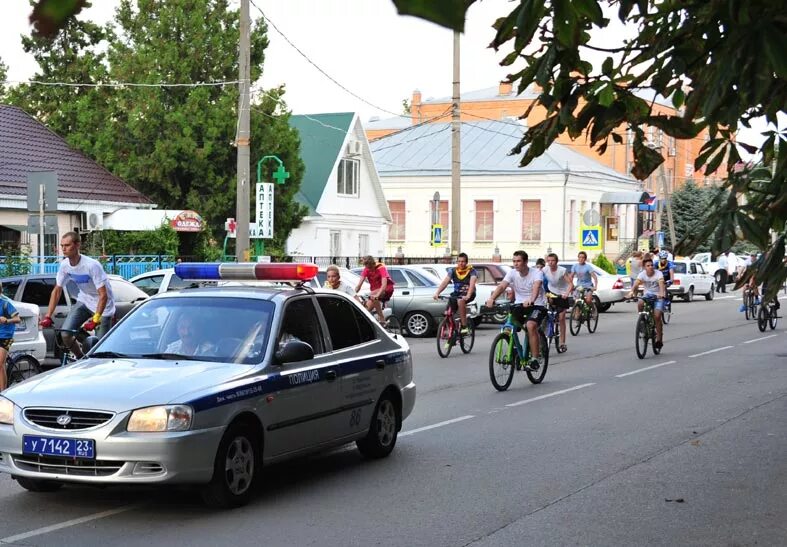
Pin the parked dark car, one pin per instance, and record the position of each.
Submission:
(37, 288)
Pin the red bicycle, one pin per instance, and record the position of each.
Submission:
(449, 332)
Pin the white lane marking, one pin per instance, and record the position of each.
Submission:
(644, 369)
(561, 392)
(67, 524)
(711, 351)
(440, 424)
(758, 339)
(728, 297)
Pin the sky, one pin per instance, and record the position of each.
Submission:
(365, 45)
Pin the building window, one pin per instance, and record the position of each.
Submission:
(531, 220)
(484, 220)
(347, 177)
(397, 232)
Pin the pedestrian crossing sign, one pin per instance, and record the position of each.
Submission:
(590, 238)
(437, 235)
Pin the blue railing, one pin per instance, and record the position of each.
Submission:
(126, 266)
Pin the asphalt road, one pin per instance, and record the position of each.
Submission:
(685, 448)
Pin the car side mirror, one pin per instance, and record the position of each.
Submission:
(293, 351)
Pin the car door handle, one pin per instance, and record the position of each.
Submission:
(330, 375)
(380, 363)
(405, 292)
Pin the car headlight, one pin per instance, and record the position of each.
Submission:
(6, 411)
(161, 418)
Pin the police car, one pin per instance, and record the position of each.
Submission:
(208, 385)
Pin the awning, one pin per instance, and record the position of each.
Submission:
(17, 227)
(624, 197)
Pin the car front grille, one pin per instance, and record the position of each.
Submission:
(77, 419)
(68, 466)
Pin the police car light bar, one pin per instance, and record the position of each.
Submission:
(246, 271)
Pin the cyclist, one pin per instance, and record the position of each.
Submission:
(528, 285)
(559, 282)
(655, 290)
(381, 284)
(94, 300)
(8, 320)
(464, 278)
(667, 269)
(586, 277)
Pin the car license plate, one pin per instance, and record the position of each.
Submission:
(55, 446)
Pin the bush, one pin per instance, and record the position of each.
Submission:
(604, 263)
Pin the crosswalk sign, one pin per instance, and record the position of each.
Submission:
(437, 235)
(590, 238)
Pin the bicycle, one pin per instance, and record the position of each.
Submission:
(767, 316)
(646, 330)
(552, 324)
(450, 331)
(65, 353)
(750, 304)
(391, 324)
(507, 353)
(582, 312)
(20, 365)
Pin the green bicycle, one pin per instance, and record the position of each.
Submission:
(582, 312)
(508, 354)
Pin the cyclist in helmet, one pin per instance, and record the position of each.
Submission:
(666, 267)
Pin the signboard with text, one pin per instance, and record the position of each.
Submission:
(262, 227)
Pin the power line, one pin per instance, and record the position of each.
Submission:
(120, 84)
(444, 128)
(331, 78)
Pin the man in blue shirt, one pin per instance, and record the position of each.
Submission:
(9, 317)
(585, 276)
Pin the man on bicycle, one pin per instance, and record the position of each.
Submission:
(655, 291)
(667, 269)
(586, 277)
(464, 278)
(94, 304)
(9, 318)
(528, 285)
(380, 283)
(558, 281)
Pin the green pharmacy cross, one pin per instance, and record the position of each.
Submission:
(280, 175)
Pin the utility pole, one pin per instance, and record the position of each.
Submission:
(242, 138)
(456, 162)
(668, 201)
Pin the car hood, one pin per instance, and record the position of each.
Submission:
(122, 384)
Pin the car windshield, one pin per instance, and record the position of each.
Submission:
(219, 329)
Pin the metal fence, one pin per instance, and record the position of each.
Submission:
(126, 266)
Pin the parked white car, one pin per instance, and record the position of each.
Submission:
(691, 278)
(712, 266)
(28, 337)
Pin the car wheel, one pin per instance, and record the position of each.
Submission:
(709, 295)
(236, 468)
(418, 324)
(718, 278)
(601, 307)
(38, 485)
(689, 296)
(384, 429)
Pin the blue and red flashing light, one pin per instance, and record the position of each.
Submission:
(246, 271)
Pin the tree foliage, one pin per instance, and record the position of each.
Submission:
(174, 144)
(722, 63)
(161, 241)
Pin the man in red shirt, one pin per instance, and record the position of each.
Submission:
(381, 284)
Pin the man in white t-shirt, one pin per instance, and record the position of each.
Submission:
(94, 304)
(528, 285)
(655, 291)
(560, 283)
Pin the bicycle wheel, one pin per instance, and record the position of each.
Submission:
(763, 318)
(666, 314)
(593, 318)
(21, 368)
(642, 335)
(467, 341)
(502, 361)
(575, 321)
(444, 335)
(536, 377)
(753, 309)
(747, 307)
(773, 319)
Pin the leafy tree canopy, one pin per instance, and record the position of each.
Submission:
(721, 63)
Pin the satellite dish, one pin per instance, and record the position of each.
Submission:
(93, 221)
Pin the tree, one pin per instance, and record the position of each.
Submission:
(719, 62)
(173, 143)
(689, 205)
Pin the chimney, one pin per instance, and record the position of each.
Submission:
(505, 88)
(415, 107)
(416, 98)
